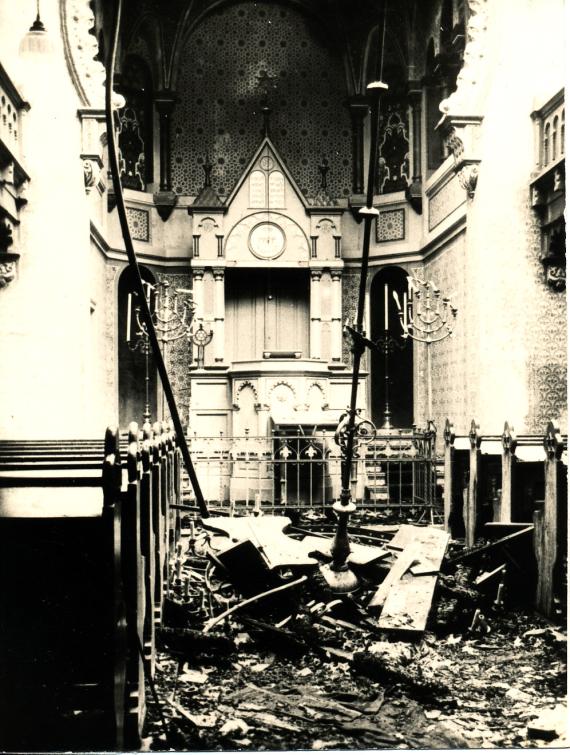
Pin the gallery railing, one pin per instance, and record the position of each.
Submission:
(294, 471)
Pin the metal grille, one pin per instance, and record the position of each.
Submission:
(392, 473)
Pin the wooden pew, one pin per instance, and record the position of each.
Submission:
(472, 476)
(159, 522)
(148, 553)
(456, 475)
(63, 623)
(119, 529)
(134, 580)
(550, 544)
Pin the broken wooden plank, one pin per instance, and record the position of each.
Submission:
(408, 604)
(267, 535)
(490, 546)
(428, 536)
(400, 567)
(500, 529)
(406, 599)
(432, 544)
(482, 578)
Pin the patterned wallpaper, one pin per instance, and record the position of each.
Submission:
(178, 357)
(350, 282)
(546, 339)
(449, 356)
(234, 58)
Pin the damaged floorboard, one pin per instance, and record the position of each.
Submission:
(407, 593)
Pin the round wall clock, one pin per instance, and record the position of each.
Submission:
(267, 240)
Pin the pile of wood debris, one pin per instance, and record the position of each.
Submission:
(432, 650)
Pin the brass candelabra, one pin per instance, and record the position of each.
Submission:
(425, 316)
(172, 311)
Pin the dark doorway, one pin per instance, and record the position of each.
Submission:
(132, 393)
(400, 364)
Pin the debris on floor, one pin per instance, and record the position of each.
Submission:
(431, 651)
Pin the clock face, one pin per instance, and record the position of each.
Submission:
(267, 240)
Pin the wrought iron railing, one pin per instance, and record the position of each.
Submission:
(287, 470)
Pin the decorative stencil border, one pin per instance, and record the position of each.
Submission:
(139, 224)
(391, 226)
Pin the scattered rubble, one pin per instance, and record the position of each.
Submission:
(432, 650)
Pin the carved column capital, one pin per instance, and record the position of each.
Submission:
(449, 433)
(553, 443)
(316, 276)
(7, 272)
(462, 134)
(218, 273)
(475, 435)
(468, 176)
(555, 276)
(509, 439)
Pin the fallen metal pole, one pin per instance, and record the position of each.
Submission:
(129, 248)
(216, 620)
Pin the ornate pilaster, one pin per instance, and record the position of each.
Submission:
(336, 318)
(165, 199)
(315, 313)
(198, 290)
(219, 314)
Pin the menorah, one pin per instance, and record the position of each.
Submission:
(425, 316)
(172, 312)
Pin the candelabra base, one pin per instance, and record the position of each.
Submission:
(342, 580)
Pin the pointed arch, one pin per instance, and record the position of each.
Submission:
(131, 361)
(400, 360)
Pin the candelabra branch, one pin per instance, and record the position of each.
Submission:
(427, 317)
(172, 312)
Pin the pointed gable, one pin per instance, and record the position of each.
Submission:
(266, 183)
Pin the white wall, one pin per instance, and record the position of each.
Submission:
(45, 312)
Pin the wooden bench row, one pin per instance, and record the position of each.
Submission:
(505, 479)
(84, 568)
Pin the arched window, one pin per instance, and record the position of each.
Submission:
(554, 137)
(135, 132)
(546, 146)
(562, 134)
(132, 367)
(384, 319)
